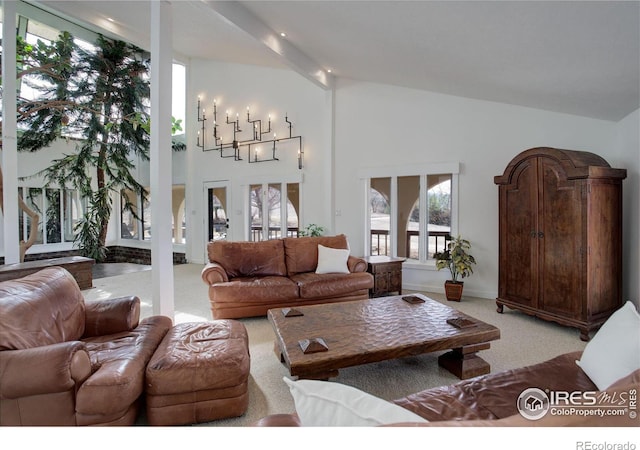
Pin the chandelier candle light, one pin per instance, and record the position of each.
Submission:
(253, 143)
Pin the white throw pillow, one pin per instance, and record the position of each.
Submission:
(329, 404)
(332, 260)
(614, 351)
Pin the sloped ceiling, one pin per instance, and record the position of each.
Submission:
(575, 57)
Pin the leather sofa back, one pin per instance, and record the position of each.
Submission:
(302, 253)
(43, 308)
(249, 259)
(277, 257)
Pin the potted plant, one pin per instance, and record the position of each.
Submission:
(311, 230)
(457, 259)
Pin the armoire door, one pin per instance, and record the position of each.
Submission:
(518, 226)
(560, 240)
(560, 247)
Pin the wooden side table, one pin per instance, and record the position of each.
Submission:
(387, 275)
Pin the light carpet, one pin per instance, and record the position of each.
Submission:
(524, 340)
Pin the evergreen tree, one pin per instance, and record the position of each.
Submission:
(102, 98)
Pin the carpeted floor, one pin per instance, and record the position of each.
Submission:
(524, 340)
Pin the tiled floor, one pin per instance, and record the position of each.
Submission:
(103, 270)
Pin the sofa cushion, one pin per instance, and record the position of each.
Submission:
(43, 308)
(315, 285)
(494, 396)
(614, 351)
(332, 260)
(330, 404)
(254, 290)
(301, 254)
(249, 259)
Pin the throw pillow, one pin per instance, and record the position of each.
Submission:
(329, 404)
(332, 260)
(614, 351)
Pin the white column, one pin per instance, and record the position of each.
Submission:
(328, 159)
(160, 164)
(9, 135)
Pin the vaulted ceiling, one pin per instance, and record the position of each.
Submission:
(575, 57)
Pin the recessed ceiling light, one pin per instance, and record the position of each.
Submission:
(328, 70)
(283, 34)
(110, 19)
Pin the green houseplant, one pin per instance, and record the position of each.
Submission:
(457, 259)
(312, 230)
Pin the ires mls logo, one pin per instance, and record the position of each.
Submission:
(534, 403)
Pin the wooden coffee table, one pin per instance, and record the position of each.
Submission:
(315, 341)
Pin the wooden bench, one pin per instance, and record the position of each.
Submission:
(78, 266)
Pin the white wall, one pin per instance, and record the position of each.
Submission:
(628, 156)
(383, 126)
(266, 91)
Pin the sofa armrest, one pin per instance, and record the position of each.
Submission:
(356, 264)
(214, 273)
(43, 370)
(114, 315)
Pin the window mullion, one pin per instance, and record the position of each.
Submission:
(423, 224)
(393, 225)
(265, 212)
(141, 219)
(284, 203)
(61, 213)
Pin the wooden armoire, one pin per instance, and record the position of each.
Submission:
(560, 237)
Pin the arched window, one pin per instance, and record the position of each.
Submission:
(411, 215)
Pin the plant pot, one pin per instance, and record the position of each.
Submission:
(453, 290)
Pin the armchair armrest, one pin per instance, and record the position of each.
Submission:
(214, 273)
(111, 316)
(356, 264)
(43, 370)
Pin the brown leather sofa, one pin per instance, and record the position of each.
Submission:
(67, 362)
(492, 399)
(247, 279)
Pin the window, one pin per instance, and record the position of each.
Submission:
(140, 228)
(265, 201)
(132, 205)
(32, 86)
(380, 215)
(146, 217)
(58, 212)
(411, 215)
(129, 226)
(178, 216)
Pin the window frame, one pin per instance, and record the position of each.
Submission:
(265, 182)
(422, 171)
(65, 194)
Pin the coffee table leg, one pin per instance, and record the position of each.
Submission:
(331, 373)
(276, 350)
(464, 363)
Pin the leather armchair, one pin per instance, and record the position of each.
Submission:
(67, 362)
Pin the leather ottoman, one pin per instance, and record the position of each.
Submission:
(199, 373)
